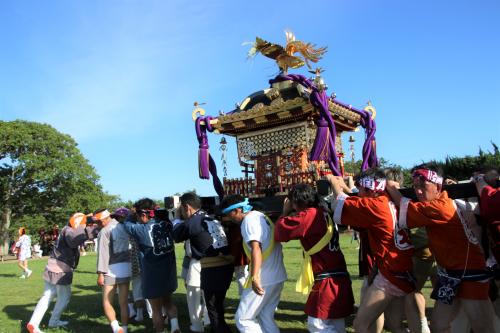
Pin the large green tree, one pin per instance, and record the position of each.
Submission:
(43, 177)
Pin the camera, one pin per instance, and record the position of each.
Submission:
(162, 214)
(208, 204)
(171, 204)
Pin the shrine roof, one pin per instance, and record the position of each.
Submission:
(285, 102)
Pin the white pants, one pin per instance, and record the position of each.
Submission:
(63, 294)
(241, 275)
(255, 313)
(316, 325)
(197, 308)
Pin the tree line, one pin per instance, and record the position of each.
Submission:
(43, 178)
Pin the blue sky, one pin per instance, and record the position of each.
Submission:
(121, 76)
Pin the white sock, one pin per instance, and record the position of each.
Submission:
(425, 325)
(174, 324)
(115, 326)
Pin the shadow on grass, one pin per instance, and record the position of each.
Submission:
(287, 312)
(95, 288)
(85, 313)
(8, 275)
(353, 278)
(86, 272)
(300, 316)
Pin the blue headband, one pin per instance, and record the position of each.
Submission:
(245, 205)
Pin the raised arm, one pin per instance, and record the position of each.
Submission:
(338, 185)
(339, 189)
(132, 228)
(490, 202)
(75, 237)
(180, 232)
(288, 227)
(392, 187)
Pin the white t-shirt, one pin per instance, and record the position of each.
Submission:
(24, 245)
(254, 227)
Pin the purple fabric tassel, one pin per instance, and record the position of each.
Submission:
(203, 159)
(324, 143)
(369, 148)
(203, 154)
(206, 164)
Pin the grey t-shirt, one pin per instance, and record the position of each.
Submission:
(113, 246)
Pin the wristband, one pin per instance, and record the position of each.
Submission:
(478, 178)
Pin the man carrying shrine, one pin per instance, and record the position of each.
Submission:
(208, 244)
(262, 292)
(392, 283)
(324, 272)
(462, 277)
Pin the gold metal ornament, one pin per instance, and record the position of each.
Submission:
(285, 56)
(197, 112)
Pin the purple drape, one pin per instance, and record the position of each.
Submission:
(324, 144)
(370, 159)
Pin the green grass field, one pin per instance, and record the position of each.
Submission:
(18, 297)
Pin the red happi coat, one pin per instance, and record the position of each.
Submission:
(450, 240)
(329, 298)
(390, 246)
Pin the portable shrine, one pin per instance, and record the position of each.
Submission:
(288, 133)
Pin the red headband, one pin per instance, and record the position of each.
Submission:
(428, 175)
(149, 212)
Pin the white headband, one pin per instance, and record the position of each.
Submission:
(373, 184)
(102, 215)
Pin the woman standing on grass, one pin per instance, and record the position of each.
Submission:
(58, 274)
(23, 246)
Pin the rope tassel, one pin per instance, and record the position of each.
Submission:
(203, 159)
(206, 164)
